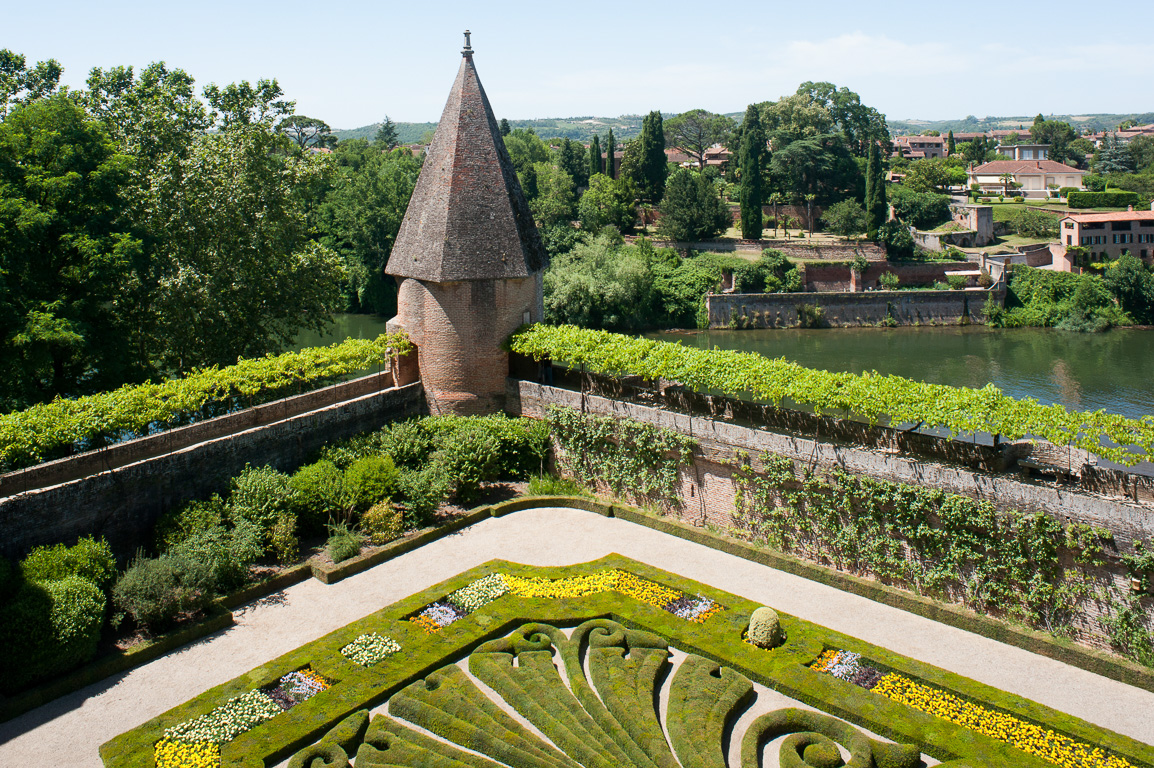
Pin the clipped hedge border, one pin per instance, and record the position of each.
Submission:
(785, 669)
(1098, 662)
(218, 616)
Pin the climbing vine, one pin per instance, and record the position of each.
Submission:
(634, 460)
(1027, 567)
(960, 410)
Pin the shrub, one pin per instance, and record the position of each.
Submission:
(764, 628)
(383, 522)
(226, 554)
(923, 210)
(343, 543)
(547, 485)
(318, 494)
(154, 591)
(1065, 191)
(260, 494)
(89, 559)
(408, 442)
(1112, 199)
(421, 492)
(467, 456)
(369, 480)
(283, 539)
(1033, 223)
(897, 239)
(889, 281)
(192, 518)
(1019, 199)
(48, 628)
(956, 282)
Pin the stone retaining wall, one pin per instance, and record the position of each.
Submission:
(129, 451)
(781, 310)
(123, 503)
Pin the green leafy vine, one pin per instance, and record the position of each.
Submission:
(634, 460)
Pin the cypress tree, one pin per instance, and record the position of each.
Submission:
(505, 129)
(653, 163)
(875, 199)
(752, 151)
(595, 164)
(610, 151)
(950, 146)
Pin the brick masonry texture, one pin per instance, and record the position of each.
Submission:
(780, 310)
(836, 277)
(468, 219)
(123, 504)
(458, 329)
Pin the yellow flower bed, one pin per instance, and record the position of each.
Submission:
(824, 660)
(176, 754)
(1033, 739)
(576, 586)
(657, 595)
(425, 623)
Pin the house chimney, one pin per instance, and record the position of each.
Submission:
(1039, 165)
(1130, 208)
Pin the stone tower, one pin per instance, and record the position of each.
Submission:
(468, 256)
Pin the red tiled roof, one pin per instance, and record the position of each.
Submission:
(1087, 218)
(1024, 167)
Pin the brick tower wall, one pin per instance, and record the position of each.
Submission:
(458, 328)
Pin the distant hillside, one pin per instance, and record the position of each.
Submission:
(972, 124)
(577, 128)
(628, 126)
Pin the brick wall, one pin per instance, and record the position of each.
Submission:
(780, 310)
(836, 277)
(130, 451)
(123, 504)
(707, 492)
(458, 328)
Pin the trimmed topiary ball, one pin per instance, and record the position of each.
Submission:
(823, 754)
(765, 628)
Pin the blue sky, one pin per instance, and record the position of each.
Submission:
(351, 63)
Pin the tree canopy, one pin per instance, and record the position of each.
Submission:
(697, 130)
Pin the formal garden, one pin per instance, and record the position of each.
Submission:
(582, 656)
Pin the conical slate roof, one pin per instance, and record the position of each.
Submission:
(467, 219)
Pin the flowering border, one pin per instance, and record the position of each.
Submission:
(458, 604)
(1020, 734)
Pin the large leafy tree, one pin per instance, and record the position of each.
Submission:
(237, 280)
(819, 165)
(1055, 133)
(692, 208)
(20, 83)
(308, 132)
(556, 199)
(752, 194)
(607, 202)
(697, 130)
(361, 215)
(65, 253)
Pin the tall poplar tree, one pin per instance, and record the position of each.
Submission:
(653, 162)
(752, 152)
(596, 166)
(610, 151)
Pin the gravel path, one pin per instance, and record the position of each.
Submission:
(68, 731)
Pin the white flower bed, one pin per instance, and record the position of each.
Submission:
(369, 649)
(227, 721)
(479, 593)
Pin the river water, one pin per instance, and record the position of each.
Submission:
(1113, 371)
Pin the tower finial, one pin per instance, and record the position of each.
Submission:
(468, 50)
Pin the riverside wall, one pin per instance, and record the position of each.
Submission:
(122, 503)
(841, 309)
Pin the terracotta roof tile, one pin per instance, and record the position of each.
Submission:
(1087, 218)
(1023, 167)
(467, 219)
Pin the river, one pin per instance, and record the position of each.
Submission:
(1113, 371)
(1082, 371)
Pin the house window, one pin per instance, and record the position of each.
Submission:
(1027, 154)
(1121, 226)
